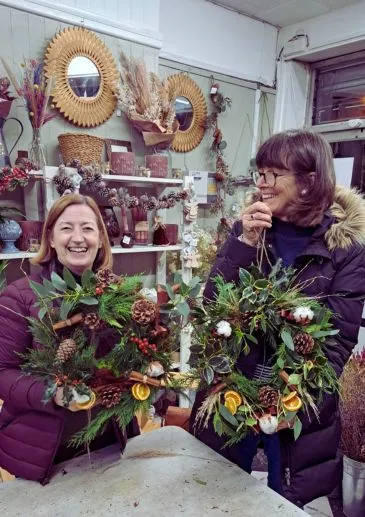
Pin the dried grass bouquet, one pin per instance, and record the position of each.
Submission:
(352, 407)
(147, 102)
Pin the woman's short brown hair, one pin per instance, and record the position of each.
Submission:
(302, 152)
(46, 253)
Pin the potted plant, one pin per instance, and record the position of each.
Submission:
(353, 435)
(10, 230)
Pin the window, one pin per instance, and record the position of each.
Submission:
(339, 89)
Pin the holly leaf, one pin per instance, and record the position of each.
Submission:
(245, 276)
(227, 415)
(196, 349)
(294, 378)
(220, 364)
(208, 374)
(287, 339)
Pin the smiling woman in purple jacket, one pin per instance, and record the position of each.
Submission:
(33, 435)
(319, 229)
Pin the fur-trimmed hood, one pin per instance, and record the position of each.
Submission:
(349, 228)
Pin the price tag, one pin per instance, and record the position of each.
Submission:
(213, 90)
(126, 239)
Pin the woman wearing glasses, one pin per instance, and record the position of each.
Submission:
(319, 229)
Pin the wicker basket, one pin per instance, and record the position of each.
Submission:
(83, 147)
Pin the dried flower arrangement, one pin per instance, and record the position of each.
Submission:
(352, 407)
(147, 102)
(92, 180)
(34, 89)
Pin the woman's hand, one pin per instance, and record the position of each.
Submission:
(58, 399)
(255, 219)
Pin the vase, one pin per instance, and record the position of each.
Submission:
(36, 153)
(10, 231)
(353, 488)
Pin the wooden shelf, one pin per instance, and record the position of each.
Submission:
(146, 249)
(16, 256)
(116, 250)
(139, 180)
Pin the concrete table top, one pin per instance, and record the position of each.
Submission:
(164, 473)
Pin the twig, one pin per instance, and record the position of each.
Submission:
(76, 318)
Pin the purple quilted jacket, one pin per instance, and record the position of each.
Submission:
(30, 431)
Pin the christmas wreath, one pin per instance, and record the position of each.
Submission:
(72, 320)
(258, 309)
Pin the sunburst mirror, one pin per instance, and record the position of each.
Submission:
(191, 112)
(85, 76)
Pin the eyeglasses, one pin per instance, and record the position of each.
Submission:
(269, 177)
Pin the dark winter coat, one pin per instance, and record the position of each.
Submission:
(335, 258)
(30, 431)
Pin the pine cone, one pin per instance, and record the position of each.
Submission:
(303, 343)
(110, 396)
(92, 320)
(144, 311)
(105, 277)
(66, 350)
(268, 396)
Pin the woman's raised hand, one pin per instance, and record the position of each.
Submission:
(255, 219)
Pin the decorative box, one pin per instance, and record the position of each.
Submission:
(158, 165)
(123, 163)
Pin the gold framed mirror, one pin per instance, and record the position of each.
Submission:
(191, 112)
(85, 76)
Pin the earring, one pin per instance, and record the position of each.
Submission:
(303, 192)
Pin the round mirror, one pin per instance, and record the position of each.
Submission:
(83, 77)
(184, 112)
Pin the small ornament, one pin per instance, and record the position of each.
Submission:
(155, 369)
(66, 350)
(191, 210)
(159, 233)
(268, 424)
(144, 311)
(140, 391)
(303, 343)
(268, 396)
(224, 328)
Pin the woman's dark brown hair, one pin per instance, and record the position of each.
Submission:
(302, 152)
(104, 258)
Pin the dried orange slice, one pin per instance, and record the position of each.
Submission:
(231, 405)
(140, 391)
(294, 404)
(291, 395)
(233, 395)
(88, 404)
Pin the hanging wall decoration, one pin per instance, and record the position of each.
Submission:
(86, 76)
(145, 100)
(222, 175)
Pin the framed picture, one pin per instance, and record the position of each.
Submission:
(116, 146)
